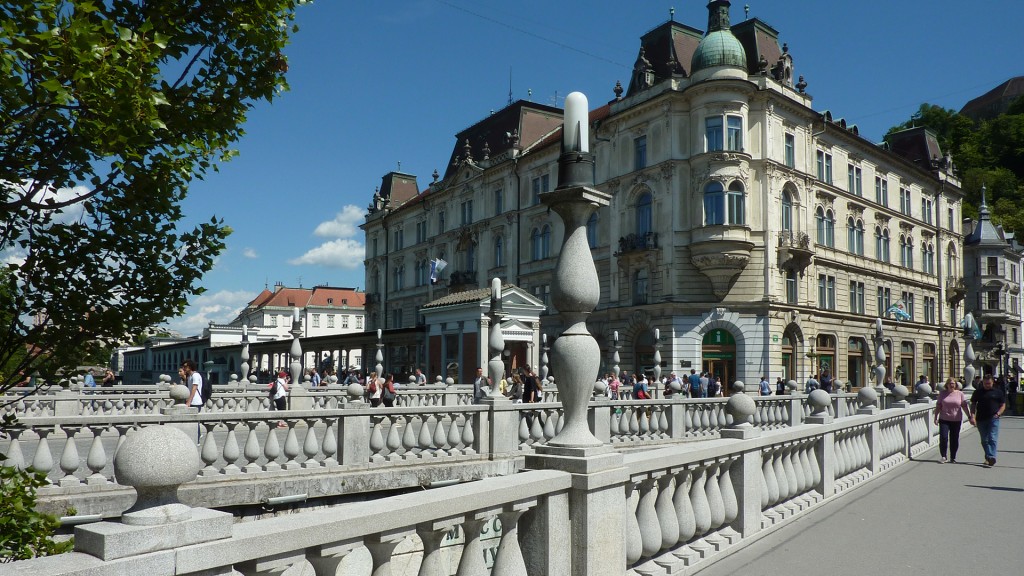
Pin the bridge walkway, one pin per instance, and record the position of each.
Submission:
(927, 518)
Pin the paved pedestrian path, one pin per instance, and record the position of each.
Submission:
(926, 518)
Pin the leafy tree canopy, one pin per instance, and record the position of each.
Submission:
(108, 110)
(989, 153)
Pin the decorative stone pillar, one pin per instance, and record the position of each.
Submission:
(380, 354)
(243, 374)
(296, 350)
(879, 370)
(657, 360)
(969, 356)
(495, 342)
(597, 507)
(615, 354)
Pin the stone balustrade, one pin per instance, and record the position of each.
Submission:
(681, 505)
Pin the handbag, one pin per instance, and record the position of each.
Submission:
(389, 395)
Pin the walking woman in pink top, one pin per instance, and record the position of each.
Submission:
(949, 414)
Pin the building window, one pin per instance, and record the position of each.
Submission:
(539, 185)
(787, 211)
(929, 310)
(926, 210)
(734, 135)
(952, 220)
(790, 150)
(316, 320)
(499, 202)
(471, 257)
(545, 242)
(855, 236)
(467, 212)
(643, 214)
(826, 227)
(499, 252)
(854, 180)
(992, 300)
(535, 246)
(906, 251)
(273, 321)
(592, 230)
(440, 221)
(714, 204)
(376, 251)
(826, 292)
(420, 272)
(857, 297)
(884, 300)
(824, 167)
(421, 232)
(905, 201)
(928, 258)
(399, 277)
(713, 132)
(640, 153)
(359, 322)
(881, 190)
(330, 321)
(735, 202)
(396, 318)
(399, 238)
(907, 298)
(791, 287)
(992, 266)
(881, 244)
(640, 287)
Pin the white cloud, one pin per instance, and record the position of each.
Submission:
(218, 307)
(344, 225)
(250, 253)
(341, 253)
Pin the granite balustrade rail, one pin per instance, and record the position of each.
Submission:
(677, 509)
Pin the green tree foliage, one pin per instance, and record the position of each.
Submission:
(108, 110)
(991, 153)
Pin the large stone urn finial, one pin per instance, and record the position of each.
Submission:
(496, 342)
(576, 288)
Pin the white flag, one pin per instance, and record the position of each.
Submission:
(436, 266)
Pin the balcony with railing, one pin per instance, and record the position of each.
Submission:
(795, 252)
(634, 243)
(956, 289)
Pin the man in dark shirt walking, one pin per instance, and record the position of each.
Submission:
(988, 403)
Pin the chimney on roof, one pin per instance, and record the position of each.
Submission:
(277, 286)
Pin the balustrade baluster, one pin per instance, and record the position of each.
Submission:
(664, 506)
(377, 441)
(426, 438)
(643, 423)
(69, 459)
(381, 547)
(97, 459)
(624, 419)
(770, 478)
(432, 534)
(209, 453)
(663, 422)
(634, 542)
(409, 441)
(454, 436)
(683, 507)
(729, 500)
(764, 485)
(647, 516)
(705, 418)
(812, 455)
(42, 461)
(634, 422)
(291, 447)
(330, 445)
(15, 458)
(252, 448)
(272, 449)
(509, 559)
(122, 434)
(472, 561)
(783, 413)
(394, 440)
(231, 451)
(536, 429)
(549, 424)
(311, 446)
(440, 437)
(723, 418)
(780, 475)
(699, 502)
(802, 468)
(787, 466)
(714, 492)
(468, 438)
(758, 419)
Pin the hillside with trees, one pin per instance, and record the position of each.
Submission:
(989, 153)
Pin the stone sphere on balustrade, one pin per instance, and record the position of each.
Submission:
(179, 394)
(900, 392)
(737, 387)
(355, 391)
(600, 387)
(438, 380)
(819, 401)
(740, 406)
(450, 381)
(922, 390)
(155, 460)
(867, 396)
(791, 385)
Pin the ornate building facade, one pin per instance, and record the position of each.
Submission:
(731, 228)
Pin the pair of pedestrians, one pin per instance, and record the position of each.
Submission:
(986, 406)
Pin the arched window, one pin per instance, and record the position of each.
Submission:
(592, 230)
(471, 257)
(951, 263)
(714, 204)
(851, 235)
(640, 286)
(736, 202)
(906, 251)
(859, 234)
(928, 258)
(545, 242)
(643, 214)
(826, 222)
(535, 245)
(499, 252)
(787, 211)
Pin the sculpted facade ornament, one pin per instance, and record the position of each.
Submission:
(855, 209)
(882, 218)
(906, 226)
(826, 198)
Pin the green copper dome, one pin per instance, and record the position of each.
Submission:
(719, 48)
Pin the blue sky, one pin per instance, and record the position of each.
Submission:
(375, 84)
